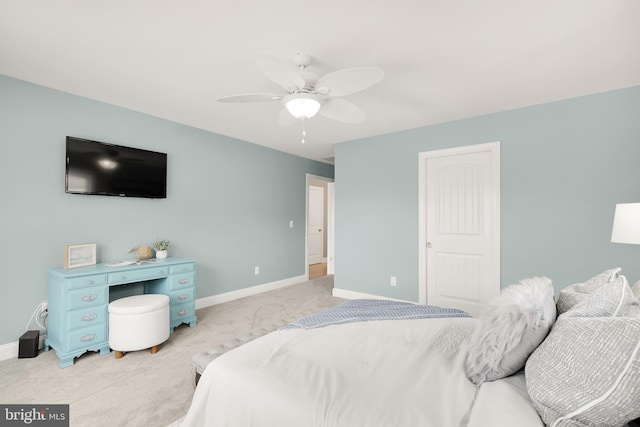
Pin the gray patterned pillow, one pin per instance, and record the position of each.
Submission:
(586, 372)
(574, 294)
(607, 294)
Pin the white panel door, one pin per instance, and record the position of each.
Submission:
(462, 229)
(314, 224)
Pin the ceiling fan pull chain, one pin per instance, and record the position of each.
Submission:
(304, 132)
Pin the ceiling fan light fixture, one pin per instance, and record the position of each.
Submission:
(302, 106)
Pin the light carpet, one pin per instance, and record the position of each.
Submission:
(144, 389)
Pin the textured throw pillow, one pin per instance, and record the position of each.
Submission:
(515, 324)
(574, 294)
(599, 298)
(587, 372)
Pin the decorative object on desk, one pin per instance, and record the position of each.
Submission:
(131, 262)
(142, 252)
(161, 247)
(79, 255)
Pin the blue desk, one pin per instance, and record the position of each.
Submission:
(77, 319)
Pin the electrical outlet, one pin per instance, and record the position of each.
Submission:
(256, 270)
(43, 310)
(393, 281)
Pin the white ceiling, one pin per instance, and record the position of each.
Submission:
(443, 59)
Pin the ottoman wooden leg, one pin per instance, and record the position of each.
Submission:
(155, 349)
(119, 354)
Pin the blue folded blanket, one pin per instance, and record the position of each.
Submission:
(362, 310)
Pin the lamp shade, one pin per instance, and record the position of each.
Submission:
(302, 106)
(626, 223)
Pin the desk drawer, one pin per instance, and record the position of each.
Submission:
(184, 280)
(91, 297)
(182, 311)
(86, 281)
(87, 337)
(182, 268)
(138, 275)
(181, 296)
(86, 317)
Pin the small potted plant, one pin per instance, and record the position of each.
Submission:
(161, 247)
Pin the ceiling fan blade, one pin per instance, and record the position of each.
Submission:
(285, 119)
(348, 81)
(283, 75)
(342, 111)
(251, 97)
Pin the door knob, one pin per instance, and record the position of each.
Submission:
(428, 244)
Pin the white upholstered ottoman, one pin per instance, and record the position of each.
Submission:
(138, 322)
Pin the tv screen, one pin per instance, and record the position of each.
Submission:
(112, 170)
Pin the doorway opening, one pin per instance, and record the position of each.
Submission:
(319, 236)
(317, 270)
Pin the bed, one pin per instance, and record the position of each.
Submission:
(515, 365)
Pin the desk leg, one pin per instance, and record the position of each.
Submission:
(105, 350)
(66, 361)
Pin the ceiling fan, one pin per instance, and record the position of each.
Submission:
(305, 94)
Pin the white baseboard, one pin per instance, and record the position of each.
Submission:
(10, 350)
(347, 294)
(246, 292)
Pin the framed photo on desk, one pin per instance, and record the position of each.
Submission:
(79, 255)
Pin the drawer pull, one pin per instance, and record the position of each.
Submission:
(88, 298)
(89, 282)
(89, 317)
(182, 312)
(88, 337)
(123, 277)
(183, 281)
(183, 297)
(162, 272)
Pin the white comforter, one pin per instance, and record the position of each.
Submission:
(377, 373)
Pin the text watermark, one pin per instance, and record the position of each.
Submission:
(34, 415)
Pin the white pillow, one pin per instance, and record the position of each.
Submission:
(517, 322)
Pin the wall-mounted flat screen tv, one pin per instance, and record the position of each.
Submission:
(112, 170)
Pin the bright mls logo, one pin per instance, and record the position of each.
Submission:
(34, 415)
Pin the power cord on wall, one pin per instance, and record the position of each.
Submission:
(40, 316)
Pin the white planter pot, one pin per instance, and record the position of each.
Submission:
(161, 254)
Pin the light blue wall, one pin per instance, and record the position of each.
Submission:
(564, 167)
(229, 202)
